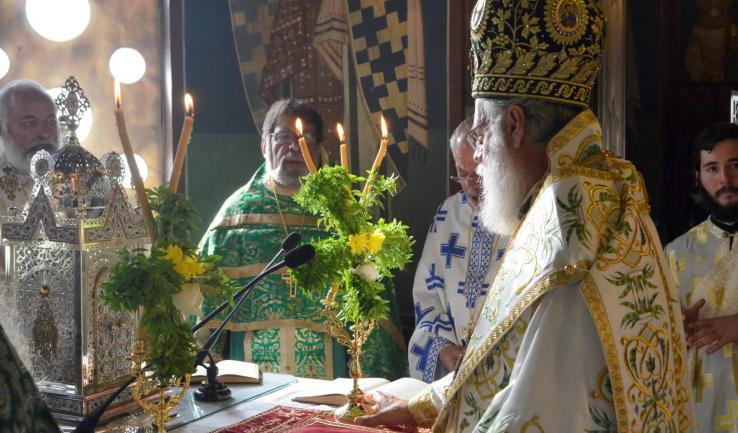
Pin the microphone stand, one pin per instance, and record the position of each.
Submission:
(88, 423)
(212, 389)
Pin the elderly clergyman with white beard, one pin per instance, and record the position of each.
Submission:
(27, 124)
(581, 330)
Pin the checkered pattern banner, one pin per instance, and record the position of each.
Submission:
(379, 41)
(252, 26)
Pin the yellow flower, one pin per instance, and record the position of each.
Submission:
(358, 242)
(173, 253)
(189, 267)
(186, 266)
(376, 238)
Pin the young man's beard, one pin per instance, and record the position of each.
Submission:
(722, 213)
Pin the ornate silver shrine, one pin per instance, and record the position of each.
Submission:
(58, 251)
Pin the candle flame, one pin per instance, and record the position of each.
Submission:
(189, 105)
(298, 126)
(117, 94)
(339, 129)
(384, 127)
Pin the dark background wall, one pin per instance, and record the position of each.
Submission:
(224, 151)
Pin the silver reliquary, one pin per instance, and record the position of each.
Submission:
(58, 250)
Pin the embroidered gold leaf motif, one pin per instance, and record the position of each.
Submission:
(567, 68)
(502, 62)
(587, 71)
(545, 65)
(524, 64)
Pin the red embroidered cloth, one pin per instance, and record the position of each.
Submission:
(281, 419)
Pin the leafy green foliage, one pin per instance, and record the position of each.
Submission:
(359, 253)
(176, 217)
(146, 282)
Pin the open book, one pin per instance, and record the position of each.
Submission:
(335, 392)
(231, 371)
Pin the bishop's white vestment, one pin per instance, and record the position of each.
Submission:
(581, 330)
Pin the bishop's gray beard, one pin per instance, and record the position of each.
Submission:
(504, 187)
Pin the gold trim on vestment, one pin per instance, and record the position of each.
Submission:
(567, 275)
(680, 364)
(583, 120)
(596, 306)
(421, 408)
(575, 171)
(267, 324)
(257, 218)
(243, 271)
(287, 364)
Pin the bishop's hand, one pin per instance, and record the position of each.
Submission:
(383, 409)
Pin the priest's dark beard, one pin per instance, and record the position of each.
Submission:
(726, 214)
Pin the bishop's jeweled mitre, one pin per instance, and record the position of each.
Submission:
(548, 49)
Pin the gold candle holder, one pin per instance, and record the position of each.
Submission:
(144, 387)
(354, 342)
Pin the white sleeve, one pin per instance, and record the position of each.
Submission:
(558, 373)
(433, 324)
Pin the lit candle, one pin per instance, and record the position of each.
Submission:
(184, 140)
(304, 147)
(138, 184)
(343, 147)
(380, 154)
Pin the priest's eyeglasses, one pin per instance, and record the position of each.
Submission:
(473, 178)
(291, 137)
(475, 137)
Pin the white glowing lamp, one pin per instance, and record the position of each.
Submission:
(127, 65)
(143, 169)
(4, 63)
(58, 20)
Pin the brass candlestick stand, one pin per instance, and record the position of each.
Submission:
(160, 407)
(354, 344)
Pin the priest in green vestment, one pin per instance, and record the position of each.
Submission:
(278, 326)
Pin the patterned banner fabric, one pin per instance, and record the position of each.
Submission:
(379, 42)
(274, 43)
(252, 25)
(281, 419)
(331, 35)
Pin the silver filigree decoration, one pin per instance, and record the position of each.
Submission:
(72, 103)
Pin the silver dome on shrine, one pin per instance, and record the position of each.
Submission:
(79, 179)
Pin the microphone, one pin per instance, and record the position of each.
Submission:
(212, 389)
(289, 243)
(295, 257)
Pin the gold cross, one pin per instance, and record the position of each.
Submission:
(728, 422)
(701, 380)
(291, 284)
